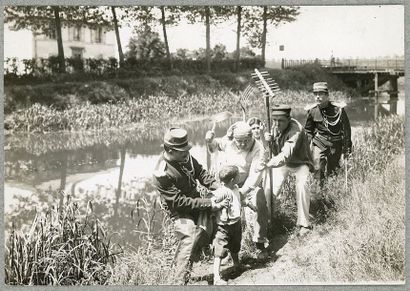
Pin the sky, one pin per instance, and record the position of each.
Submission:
(318, 32)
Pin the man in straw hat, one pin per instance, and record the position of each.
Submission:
(176, 177)
(241, 150)
(290, 147)
(328, 127)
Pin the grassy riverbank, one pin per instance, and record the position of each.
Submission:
(359, 239)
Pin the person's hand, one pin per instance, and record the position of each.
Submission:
(268, 136)
(261, 166)
(209, 136)
(219, 205)
(273, 163)
(249, 204)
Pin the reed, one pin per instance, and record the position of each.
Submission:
(64, 246)
(156, 111)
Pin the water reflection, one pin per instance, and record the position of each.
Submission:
(110, 168)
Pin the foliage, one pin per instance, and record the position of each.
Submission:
(276, 15)
(145, 44)
(63, 247)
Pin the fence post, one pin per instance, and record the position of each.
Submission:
(376, 96)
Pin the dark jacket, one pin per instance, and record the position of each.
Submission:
(327, 123)
(177, 184)
(292, 146)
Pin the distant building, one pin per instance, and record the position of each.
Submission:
(78, 41)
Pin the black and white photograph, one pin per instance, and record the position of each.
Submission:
(204, 145)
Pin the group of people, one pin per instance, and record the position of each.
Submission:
(250, 156)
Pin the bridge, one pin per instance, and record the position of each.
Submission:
(365, 75)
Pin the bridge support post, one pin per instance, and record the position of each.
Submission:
(376, 95)
(394, 96)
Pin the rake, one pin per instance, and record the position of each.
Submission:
(268, 87)
(244, 99)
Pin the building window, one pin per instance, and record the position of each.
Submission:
(98, 35)
(77, 33)
(51, 33)
(77, 52)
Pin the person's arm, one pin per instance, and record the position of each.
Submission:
(286, 151)
(310, 125)
(165, 185)
(347, 140)
(215, 144)
(203, 176)
(255, 172)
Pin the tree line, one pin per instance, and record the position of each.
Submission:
(252, 22)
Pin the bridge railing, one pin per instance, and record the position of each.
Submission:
(350, 64)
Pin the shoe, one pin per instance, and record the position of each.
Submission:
(220, 282)
(304, 231)
(226, 260)
(262, 254)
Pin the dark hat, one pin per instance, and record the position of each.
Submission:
(320, 87)
(177, 138)
(278, 110)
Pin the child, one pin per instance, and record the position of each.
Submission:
(229, 231)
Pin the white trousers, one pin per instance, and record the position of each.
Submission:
(302, 190)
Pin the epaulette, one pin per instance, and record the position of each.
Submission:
(340, 104)
(160, 170)
(310, 106)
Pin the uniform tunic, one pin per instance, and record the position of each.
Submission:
(329, 129)
(177, 184)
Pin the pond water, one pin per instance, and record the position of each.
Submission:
(111, 169)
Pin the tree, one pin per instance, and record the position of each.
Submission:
(238, 37)
(275, 15)
(47, 19)
(117, 36)
(146, 44)
(209, 15)
(219, 52)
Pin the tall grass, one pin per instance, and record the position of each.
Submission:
(362, 238)
(63, 247)
(152, 111)
(151, 262)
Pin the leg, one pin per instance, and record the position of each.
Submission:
(220, 251)
(186, 231)
(279, 175)
(217, 266)
(334, 159)
(320, 163)
(302, 195)
(267, 188)
(259, 220)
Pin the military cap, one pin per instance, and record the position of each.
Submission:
(278, 110)
(320, 87)
(177, 138)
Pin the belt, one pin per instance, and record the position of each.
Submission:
(329, 138)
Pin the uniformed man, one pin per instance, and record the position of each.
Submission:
(291, 154)
(176, 176)
(328, 127)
